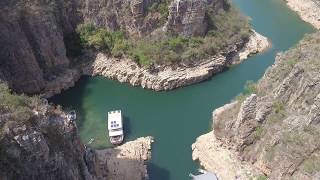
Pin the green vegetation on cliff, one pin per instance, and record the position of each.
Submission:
(17, 107)
(225, 28)
(162, 8)
(275, 124)
(35, 138)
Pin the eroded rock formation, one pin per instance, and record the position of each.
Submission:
(188, 17)
(33, 53)
(132, 17)
(44, 146)
(275, 129)
(126, 161)
(38, 141)
(173, 76)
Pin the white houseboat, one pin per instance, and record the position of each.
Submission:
(115, 127)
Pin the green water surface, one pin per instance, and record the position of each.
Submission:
(176, 118)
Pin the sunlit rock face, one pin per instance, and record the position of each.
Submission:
(276, 128)
(188, 17)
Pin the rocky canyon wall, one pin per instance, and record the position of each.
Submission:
(276, 128)
(32, 50)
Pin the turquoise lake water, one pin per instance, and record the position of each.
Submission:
(176, 118)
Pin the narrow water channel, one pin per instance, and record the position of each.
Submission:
(176, 118)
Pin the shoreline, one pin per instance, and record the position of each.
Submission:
(308, 10)
(215, 154)
(127, 161)
(161, 78)
(164, 78)
(218, 159)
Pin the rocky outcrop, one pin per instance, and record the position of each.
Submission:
(32, 49)
(256, 44)
(44, 146)
(188, 17)
(126, 161)
(308, 10)
(221, 160)
(33, 52)
(168, 77)
(61, 82)
(39, 141)
(276, 128)
(132, 17)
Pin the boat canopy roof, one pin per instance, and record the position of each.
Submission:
(114, 120)
(115, 133)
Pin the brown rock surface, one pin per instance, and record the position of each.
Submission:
(188, 17)
(32, 49)
(277, 128)
(38, 141)
(45, 146)
(169, 77)
(126, 161)
(308, 10)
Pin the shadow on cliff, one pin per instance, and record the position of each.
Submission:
(73, 99)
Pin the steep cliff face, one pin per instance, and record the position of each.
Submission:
(32, 48)
(33, 36)
(277, 127)
(32, 51)
(189, 18)
(133, 17)
(38, 142)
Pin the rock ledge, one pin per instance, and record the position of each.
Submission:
(126, 161)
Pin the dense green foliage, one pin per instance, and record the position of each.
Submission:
(162, 8)
(229, 28)
(17, 107)
(102, 39)
(226, 28)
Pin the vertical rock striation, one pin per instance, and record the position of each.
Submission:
(46, 146)
(277, 128)
(132, 17)
(39, 141)
(32, 50)
(188, 17)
